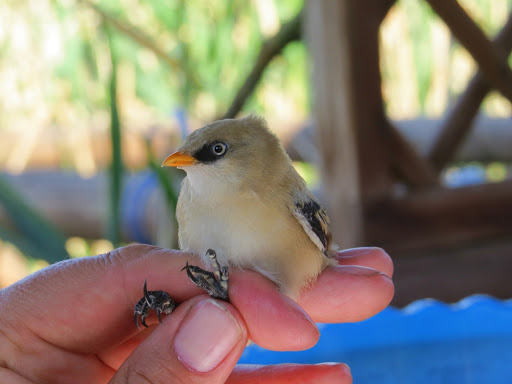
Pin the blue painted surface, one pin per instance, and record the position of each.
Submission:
(426, 342)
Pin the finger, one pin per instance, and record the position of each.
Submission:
(347, 293)
(100, 293)
(9, 377)
(198, 343)
(291, 373)
(274, 320)
(116, 356)
(103, 290)
(371, 257)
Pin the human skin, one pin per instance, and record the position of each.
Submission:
(73, 321)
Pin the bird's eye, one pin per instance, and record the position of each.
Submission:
(219, 148)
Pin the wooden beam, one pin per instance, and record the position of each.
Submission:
(492, 61)
(440, 217)
(489, 140)
(458, 122)
(414, 170)
(370, 124)
(452, 274)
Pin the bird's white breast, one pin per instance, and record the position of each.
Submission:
(248, 232)
(241, 232)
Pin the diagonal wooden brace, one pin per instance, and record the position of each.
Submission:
(458, 123)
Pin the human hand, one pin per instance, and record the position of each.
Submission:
(73, 321)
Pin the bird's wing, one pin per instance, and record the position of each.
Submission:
(313, 218)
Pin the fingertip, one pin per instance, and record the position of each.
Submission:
(347, 294)
(373, 257)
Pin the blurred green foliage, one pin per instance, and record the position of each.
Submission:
(30, 231)
(212, 44)
(420, 17)
(116, 167)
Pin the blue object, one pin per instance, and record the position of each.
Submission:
(466, 175)
(426, 342)
(181, 117)
(137, 191)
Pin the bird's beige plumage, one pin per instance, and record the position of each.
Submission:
(243, 198)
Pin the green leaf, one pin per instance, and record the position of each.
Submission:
(33, 234)
(165, 178)
(116, 167)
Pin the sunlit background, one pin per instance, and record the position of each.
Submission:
(174, 66)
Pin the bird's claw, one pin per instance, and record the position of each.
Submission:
(215, 283)
(159, 301)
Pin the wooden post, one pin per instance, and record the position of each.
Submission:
(324, 24)
(343, 46)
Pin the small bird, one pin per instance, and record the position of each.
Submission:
(243, 198)
(242, 204)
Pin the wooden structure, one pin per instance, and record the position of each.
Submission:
(426, 228)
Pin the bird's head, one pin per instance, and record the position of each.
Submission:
(230, 155)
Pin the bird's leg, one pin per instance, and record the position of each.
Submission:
(215, 283)
(159, 301)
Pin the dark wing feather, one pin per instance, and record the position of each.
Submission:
(315, 222)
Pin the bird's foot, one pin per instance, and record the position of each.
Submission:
(215, 283)
(159, 301)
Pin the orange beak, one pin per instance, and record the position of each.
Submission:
(179, 159)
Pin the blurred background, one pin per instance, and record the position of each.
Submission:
(95, 94)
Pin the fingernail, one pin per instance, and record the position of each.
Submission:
(353, 252)
(206, 336)
(358, 270)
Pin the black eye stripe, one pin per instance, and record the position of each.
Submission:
(207, 153)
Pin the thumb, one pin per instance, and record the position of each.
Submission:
(200, 342)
